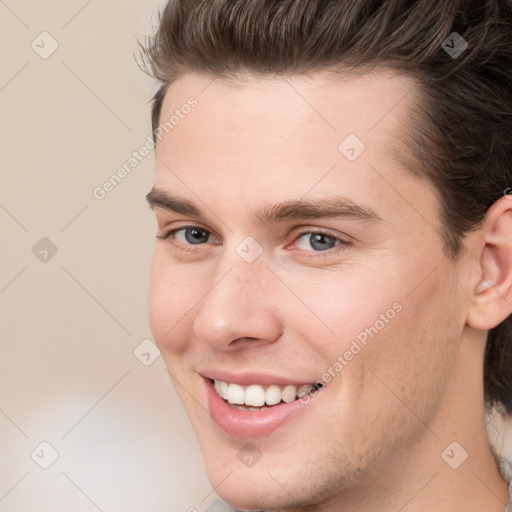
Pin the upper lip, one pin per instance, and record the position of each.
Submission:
(248, 378)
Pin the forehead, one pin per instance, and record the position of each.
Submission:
(285, 137)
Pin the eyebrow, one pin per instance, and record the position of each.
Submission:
(328, 208)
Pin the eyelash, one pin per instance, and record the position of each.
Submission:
(343, 244)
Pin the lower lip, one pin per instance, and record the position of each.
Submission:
(251, 423)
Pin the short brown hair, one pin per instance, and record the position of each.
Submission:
(461, 139)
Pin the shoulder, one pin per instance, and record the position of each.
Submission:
(505, 467)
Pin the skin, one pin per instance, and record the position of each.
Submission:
(373, 437)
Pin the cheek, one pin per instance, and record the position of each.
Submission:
(349, 307)
(383, 330)
(172, 295)
(415, 351)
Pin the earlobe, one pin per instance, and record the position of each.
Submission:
(491, 300)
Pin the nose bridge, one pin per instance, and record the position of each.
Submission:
(235, 280)
(239, 304)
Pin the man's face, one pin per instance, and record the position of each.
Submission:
(260, 286)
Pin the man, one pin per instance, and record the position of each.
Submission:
(332, 277)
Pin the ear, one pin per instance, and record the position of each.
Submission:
(491, 300)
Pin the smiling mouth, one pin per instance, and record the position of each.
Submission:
(257, 397)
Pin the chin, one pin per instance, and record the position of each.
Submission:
(254, 496)
(277, 481)
(247, 488)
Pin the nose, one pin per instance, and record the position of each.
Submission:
(241, 304)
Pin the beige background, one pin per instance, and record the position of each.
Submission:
(69, 324)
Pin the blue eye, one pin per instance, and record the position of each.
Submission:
(190, 235)
(317, 241)
(312, 242)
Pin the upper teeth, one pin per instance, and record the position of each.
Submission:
(257, 396)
